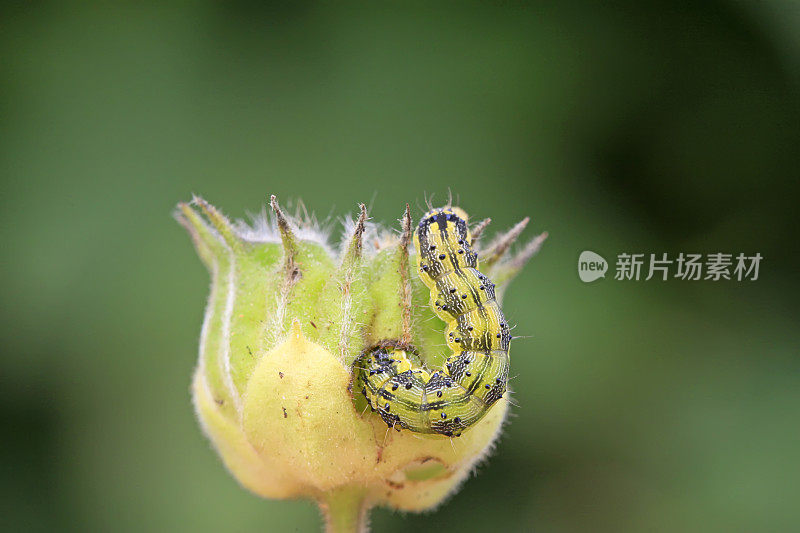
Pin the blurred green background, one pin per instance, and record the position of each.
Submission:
(631, 127)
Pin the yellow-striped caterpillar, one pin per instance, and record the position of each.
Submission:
(449, 400)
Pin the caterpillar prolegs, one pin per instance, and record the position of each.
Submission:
(449, 400)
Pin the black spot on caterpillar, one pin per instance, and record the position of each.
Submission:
(446, 401)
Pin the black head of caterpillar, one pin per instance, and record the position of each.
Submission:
(449, 400)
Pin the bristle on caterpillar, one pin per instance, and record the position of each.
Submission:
(450, 400)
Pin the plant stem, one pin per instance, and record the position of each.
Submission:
(345, 510)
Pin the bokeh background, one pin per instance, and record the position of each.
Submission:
(627, 127)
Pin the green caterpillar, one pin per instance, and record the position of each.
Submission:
(449, 400)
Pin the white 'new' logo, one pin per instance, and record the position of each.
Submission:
(591, 266)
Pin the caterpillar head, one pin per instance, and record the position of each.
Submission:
(443, 241)
(449, 219)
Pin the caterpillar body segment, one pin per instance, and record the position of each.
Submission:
(449, 400)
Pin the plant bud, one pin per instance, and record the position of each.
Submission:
(287, 316)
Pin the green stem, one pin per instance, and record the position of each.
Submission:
(345, 510)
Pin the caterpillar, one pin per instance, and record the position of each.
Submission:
(449, 400)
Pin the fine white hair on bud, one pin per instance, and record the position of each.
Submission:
(288, 316)
(263, 227)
